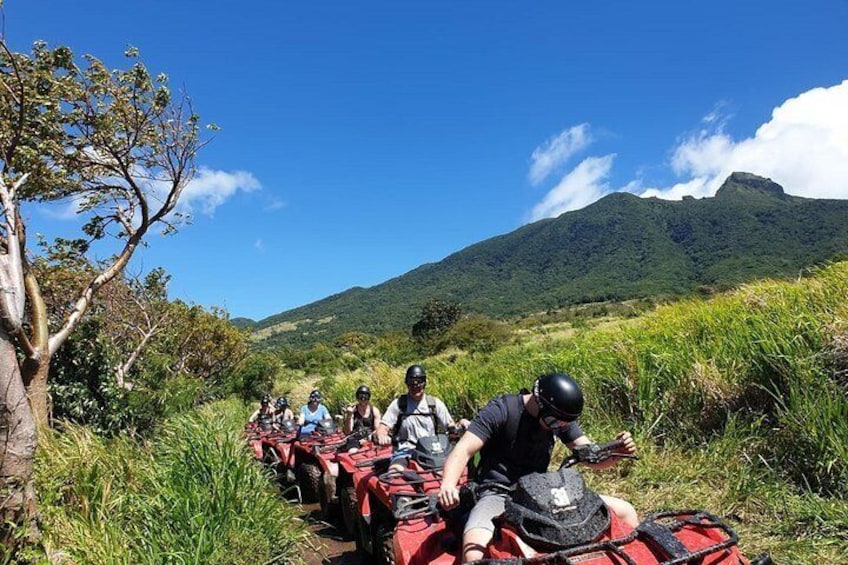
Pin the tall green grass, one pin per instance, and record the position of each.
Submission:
(684, 371)
(192, 495)
(740, 404)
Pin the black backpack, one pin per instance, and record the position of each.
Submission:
(403, 402)
(555, 510)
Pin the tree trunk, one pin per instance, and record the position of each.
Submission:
(18, 441)
(35, 371)
(36, 365)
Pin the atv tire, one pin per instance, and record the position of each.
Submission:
(363, 541)
(349, 509)
(329, 509)
(309, 480)
(384, 545)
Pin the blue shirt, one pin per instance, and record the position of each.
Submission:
(312, 418)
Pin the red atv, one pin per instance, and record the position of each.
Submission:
(553, 519)
(354, 465)
(262, 439)
(326, 453)
(312, 459)
(380, 492)
(272, 445)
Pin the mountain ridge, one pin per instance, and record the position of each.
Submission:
(620, 247)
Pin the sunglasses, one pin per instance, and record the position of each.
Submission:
(553, 422)
(416, 382)
(363, 397)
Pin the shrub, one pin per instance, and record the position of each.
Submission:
(476, 334)
(82, 382)
(253, 377)
(437, 317)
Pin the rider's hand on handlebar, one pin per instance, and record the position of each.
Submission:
(382, 437)
(458, 428)
(629, 446)
(448, 496)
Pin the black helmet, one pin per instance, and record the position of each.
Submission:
(281, 403)
(315, 396)
(415, 372)
(558, 395)
(363, 390)
(266, 400)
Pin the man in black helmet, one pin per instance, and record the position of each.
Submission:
(515, 435)
(412, 416)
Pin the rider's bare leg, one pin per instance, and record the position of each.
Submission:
(474, 544)
(623, 509)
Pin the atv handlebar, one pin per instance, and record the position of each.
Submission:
(409, 506)
(594, 453)
(455, 430)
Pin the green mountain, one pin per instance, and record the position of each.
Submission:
(620, 247)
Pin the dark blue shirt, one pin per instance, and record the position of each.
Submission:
(515, 444)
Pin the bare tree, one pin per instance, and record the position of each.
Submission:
(136, 312)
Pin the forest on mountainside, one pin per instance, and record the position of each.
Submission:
(621, 247)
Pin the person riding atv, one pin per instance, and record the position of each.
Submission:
(514, 434)
(412, 416)
(363, 415)
(282, 411)
(312, 413)
(263, 415)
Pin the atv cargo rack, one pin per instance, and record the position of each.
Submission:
(656, 531)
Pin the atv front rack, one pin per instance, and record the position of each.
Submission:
(656, 531)
(412, 505)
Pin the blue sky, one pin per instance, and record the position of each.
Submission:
(362, 139)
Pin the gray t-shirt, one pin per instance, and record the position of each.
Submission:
(419, 421)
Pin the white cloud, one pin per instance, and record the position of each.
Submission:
(62, 210)
(210, 188)
(275, 204)
(556, 151)
(803, 147)
(582, 186)
(207, 190)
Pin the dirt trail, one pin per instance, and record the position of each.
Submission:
(332, 548)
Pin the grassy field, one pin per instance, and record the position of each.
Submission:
(191, 496)
(739, 404)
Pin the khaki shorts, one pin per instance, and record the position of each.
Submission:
(490, 506)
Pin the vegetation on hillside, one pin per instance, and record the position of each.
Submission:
(738, 403)
(618, 248)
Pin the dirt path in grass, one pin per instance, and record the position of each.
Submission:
(332, 548)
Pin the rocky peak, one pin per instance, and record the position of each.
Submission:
(747, 183)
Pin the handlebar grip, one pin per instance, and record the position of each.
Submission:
(611, 445)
